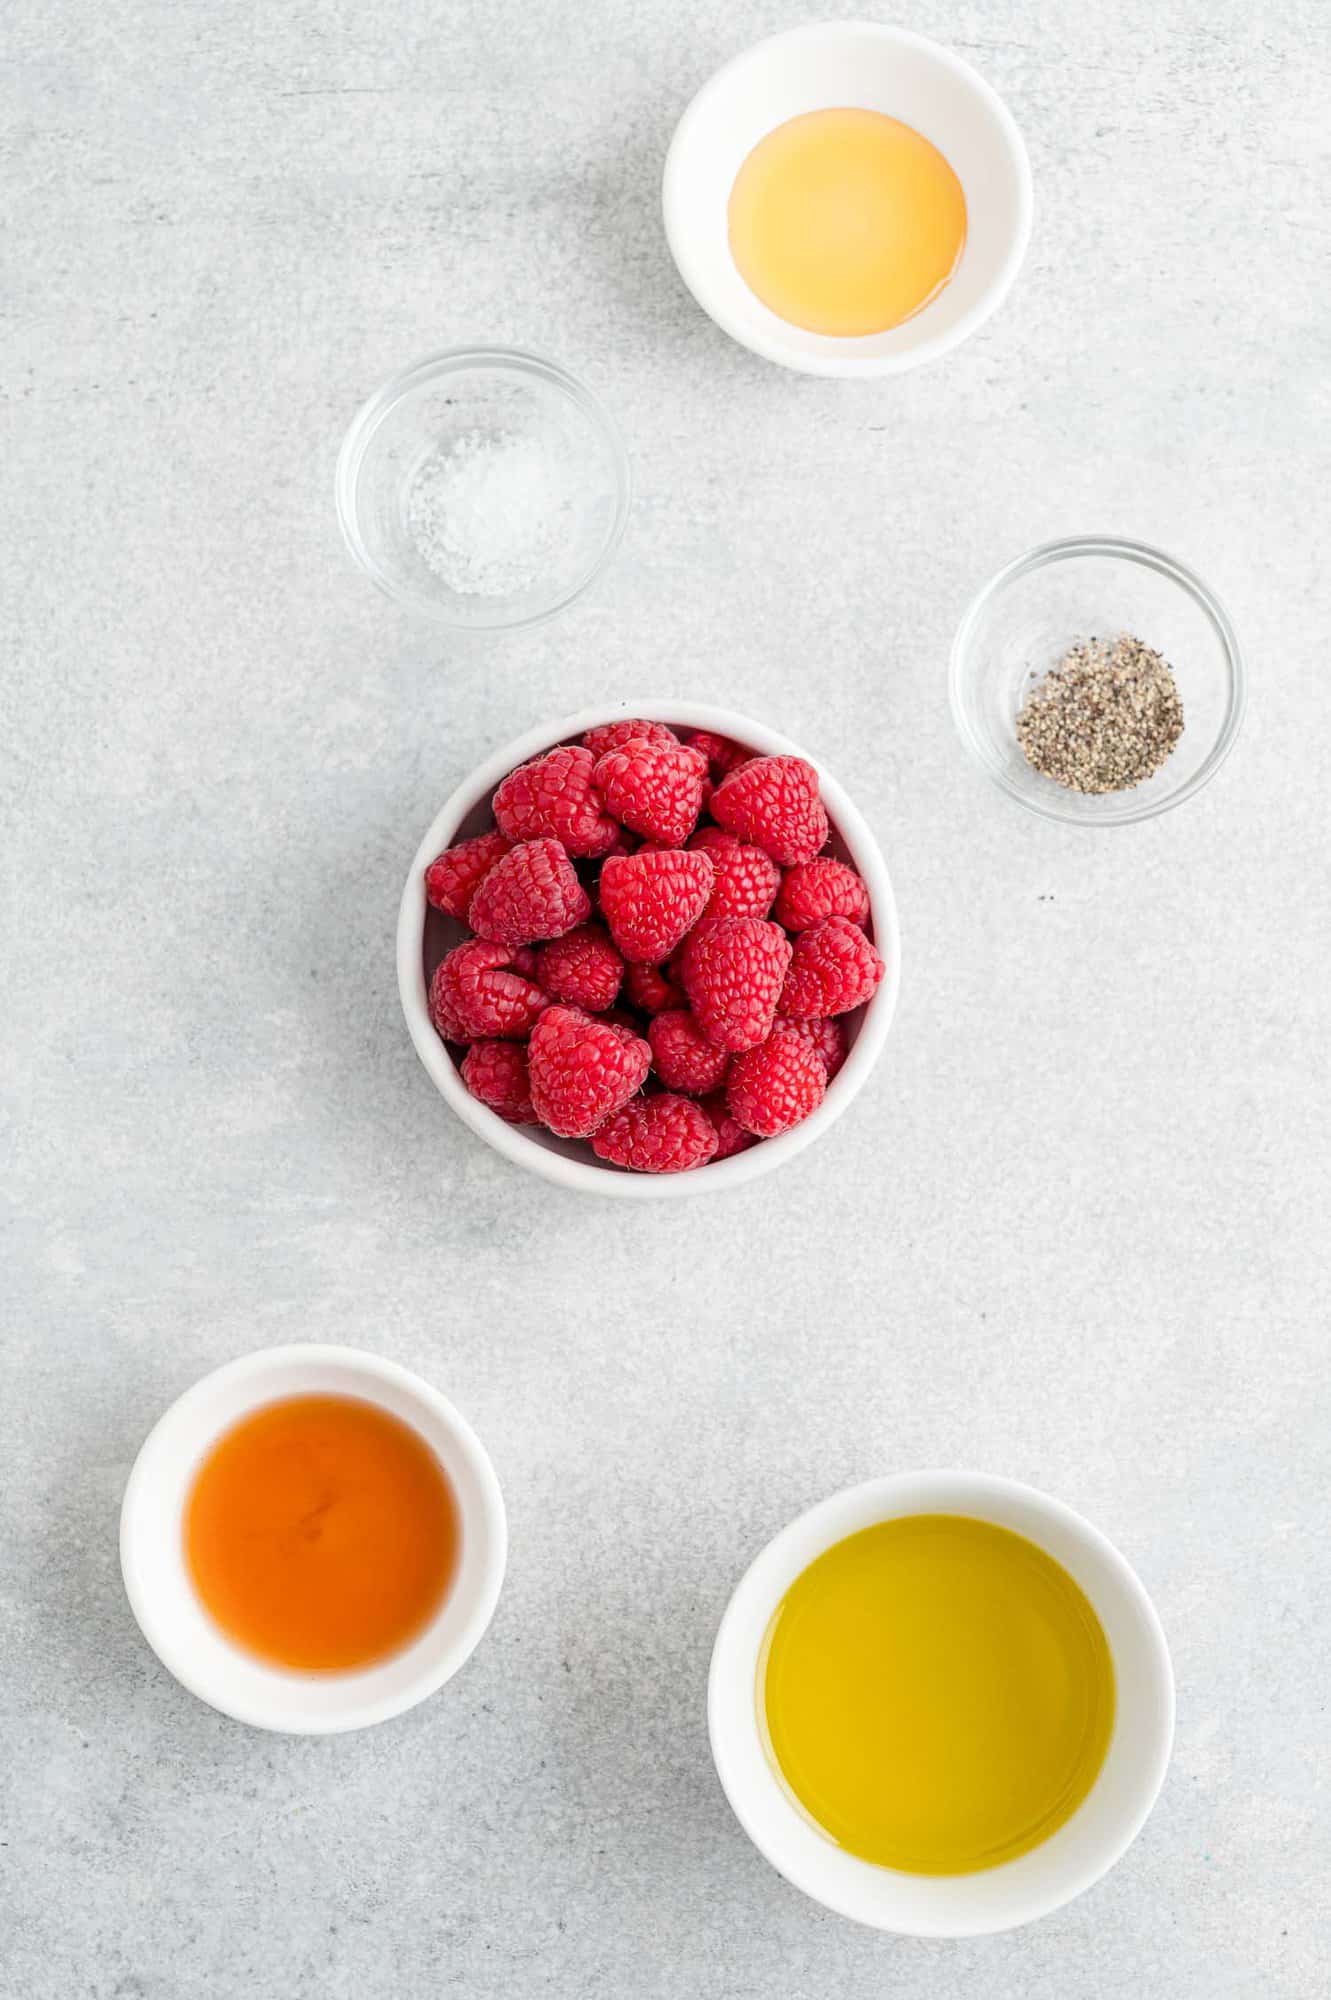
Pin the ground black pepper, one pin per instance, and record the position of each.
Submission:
(1104, 719)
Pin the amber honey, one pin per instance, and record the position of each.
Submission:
(322, 1533)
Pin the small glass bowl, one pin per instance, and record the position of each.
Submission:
(467, 397)
(1095, 586)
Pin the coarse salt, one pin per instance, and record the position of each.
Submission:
(492, 512)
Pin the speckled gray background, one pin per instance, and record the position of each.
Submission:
(1075, 1229)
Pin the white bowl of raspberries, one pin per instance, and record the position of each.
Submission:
(648, 948)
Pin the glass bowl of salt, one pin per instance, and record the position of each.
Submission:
(484, 488)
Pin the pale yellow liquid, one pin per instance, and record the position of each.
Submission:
(938, 1694)
(846, 221)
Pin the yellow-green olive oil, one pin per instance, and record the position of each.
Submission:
(937, 1694)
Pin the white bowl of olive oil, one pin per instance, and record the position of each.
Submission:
(848, 199)
(941, 1704)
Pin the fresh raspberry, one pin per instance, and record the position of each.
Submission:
(531, 893)
(746, 878)
(612, 735)
(730, 1134)
(774, 802)
(475, 995)
(834, 968)
(682, 1056)
(554, 797)
(828, 1037)
(653, 788)
(526, 961)
(820, 888)
(658, 1135)
(582, 1070)
(721, 754)
(732, 969)
(452, 878)
(776, 1085)
(652, 989)
(651, 899)
(496, 1072)
(583, 969)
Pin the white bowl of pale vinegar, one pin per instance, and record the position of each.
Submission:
(484, 488)
(860, 65)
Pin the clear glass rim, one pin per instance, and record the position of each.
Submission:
(453, 361)
(1147, 557)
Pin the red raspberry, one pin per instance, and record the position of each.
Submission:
(654, 788)
(582, 1070)
(650, 988)
(583, 969)
(526, 961)
(658, 1135)
(746, 878)
(612, 735)
(496, 1072)
(452, 878)
(682, 1056)
(774, 802)
(732, 969)
(531, 893)
(834, 968)
(554, 797)
(828, 1037)
(821, 888)
(474, 995)
(776, 1085)
(730, 1134)
(721, 754)
(651, 899)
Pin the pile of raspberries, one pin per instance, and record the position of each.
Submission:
(663, 955)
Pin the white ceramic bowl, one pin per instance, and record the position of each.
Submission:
(996, 1899)
(876, 68)
(174, 1621)
(424, 935)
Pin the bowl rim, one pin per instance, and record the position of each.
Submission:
(379, 405)
(594, 1178)
(162, 1458)
(768, 342)
(820, 1527)
(1147, 556)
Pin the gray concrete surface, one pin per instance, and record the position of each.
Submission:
(1074, 1231)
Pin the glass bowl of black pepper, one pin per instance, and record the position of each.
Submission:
(1097, 680)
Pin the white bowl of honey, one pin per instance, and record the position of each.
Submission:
(312, 1539)
(941, 1704)
(848, 199)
